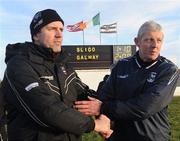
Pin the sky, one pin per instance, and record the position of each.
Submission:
(16, 15)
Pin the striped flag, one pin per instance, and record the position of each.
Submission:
(110, 28)
(76, 27)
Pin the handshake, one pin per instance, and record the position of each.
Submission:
(91, 107)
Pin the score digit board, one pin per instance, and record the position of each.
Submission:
(123, 51)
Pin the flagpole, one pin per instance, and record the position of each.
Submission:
(116, 38)
(116, 33)
(83, 32)
(83, 36)
(99, 28)
(99, 34)
(96, 21)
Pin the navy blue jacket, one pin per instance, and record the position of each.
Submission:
(136, 98)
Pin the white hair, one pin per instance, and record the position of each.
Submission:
(149, 26)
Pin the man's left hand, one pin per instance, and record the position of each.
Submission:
(89, 107)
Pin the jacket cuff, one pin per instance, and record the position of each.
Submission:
(91, 125)
(105, 109)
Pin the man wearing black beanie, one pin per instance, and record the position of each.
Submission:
(40, 87)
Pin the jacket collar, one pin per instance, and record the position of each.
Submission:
(142, 64)
(39, 54)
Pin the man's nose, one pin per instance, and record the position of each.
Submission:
(59, 33)
(154, 43)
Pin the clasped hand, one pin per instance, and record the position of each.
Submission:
(92, 107)
(102, 126)
(89, 107)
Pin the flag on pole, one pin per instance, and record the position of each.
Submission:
(93, 22)
(88, 24)
(76, 27)
(110, 28)
(96, 19)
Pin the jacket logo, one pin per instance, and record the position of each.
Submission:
(31, 86)
(152, 77)
(122, 76)
(47, 77)
(64, 70)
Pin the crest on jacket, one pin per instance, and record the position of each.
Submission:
(151, 77)
(64, 70)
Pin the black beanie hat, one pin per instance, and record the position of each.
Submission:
(43, 18)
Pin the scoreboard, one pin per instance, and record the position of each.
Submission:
(97, 56)
(123, 51)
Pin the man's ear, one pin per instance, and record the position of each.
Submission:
(136, 41)
(35, 37)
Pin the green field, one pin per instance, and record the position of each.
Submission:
(174, 117)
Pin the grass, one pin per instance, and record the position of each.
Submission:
(93, 136)
(174, 117)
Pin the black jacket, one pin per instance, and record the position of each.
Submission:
(40, 91)
(136, 98)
